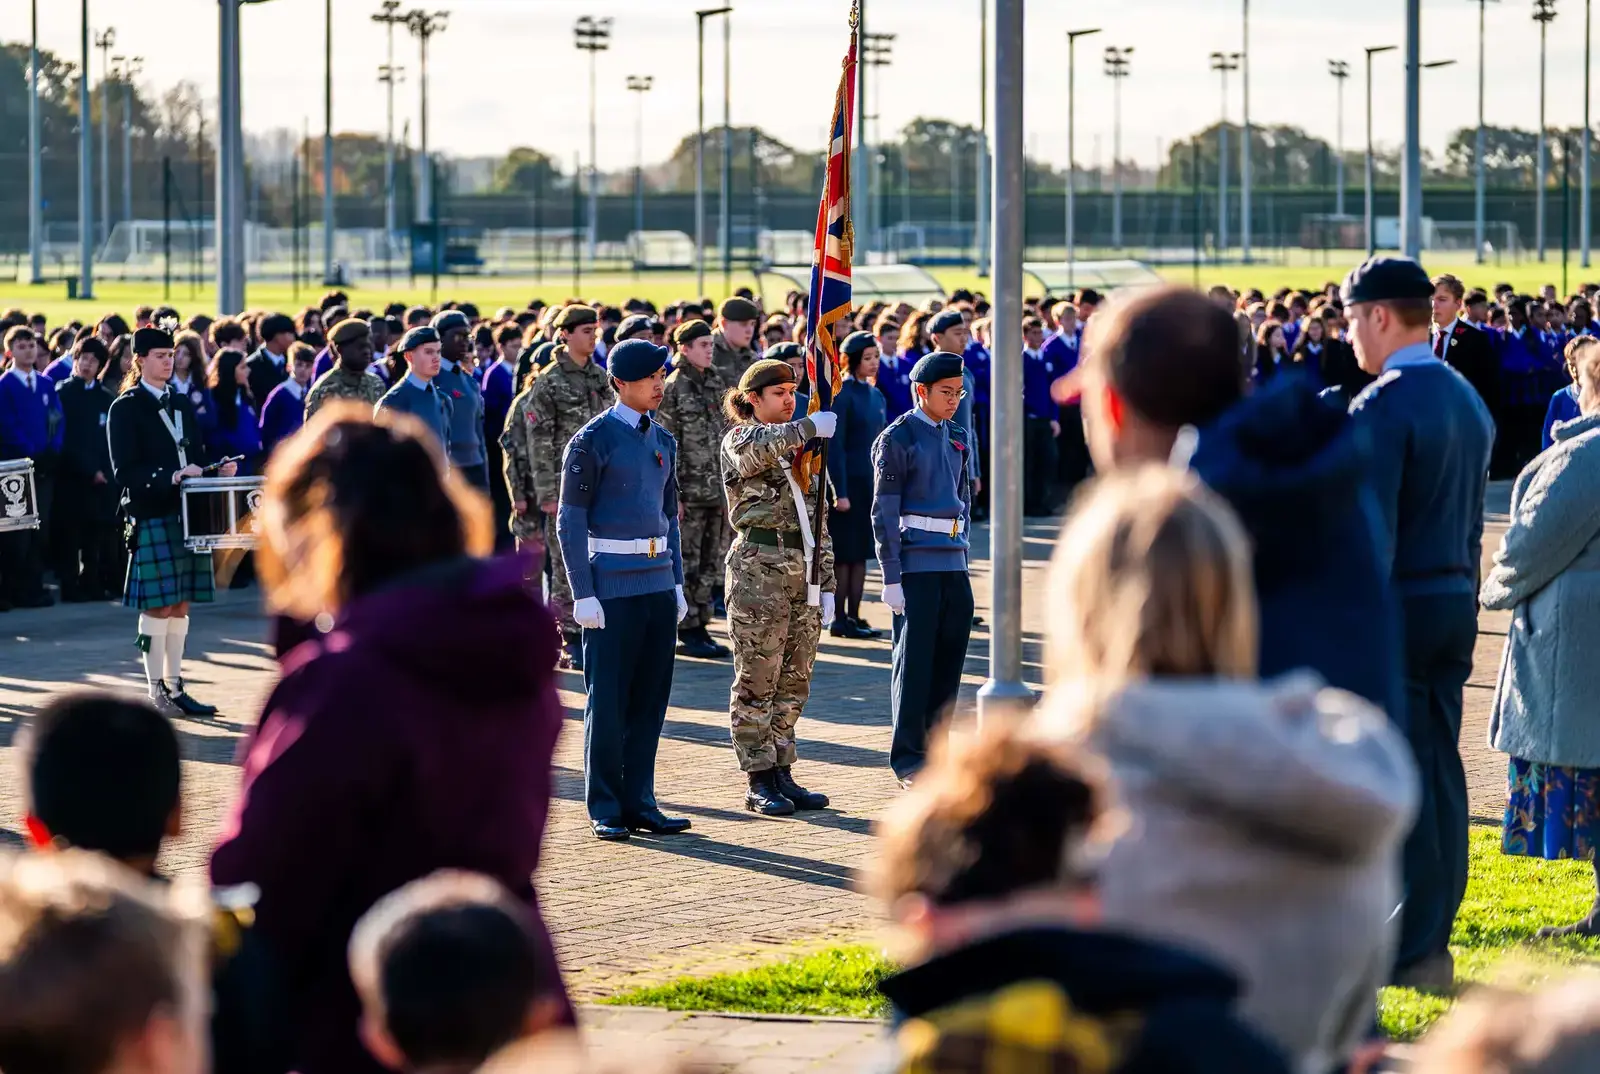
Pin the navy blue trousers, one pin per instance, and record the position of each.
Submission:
(627, 669)
(930, 652)
(1440, 632)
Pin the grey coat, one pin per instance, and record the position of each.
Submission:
(1265, 823)
(1548, 572)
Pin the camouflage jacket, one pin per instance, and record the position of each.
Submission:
(561, 400)
(691, 410)
(727, 360)
(517, 448)
(755, 460)
(338, 384)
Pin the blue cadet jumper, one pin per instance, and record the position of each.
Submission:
(1431, 438)
(466, 422)
(424, 400)
(618, 527)
(921, 515)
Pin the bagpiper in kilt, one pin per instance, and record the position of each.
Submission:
(155, 444)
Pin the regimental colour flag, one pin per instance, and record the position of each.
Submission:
(830, 261)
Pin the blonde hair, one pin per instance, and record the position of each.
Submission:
(1583, 362)
(1151, 578)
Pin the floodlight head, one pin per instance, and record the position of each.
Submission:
(1437, 64)
(1373, 50)
(712, 12)
(1073, 35)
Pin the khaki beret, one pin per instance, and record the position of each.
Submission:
(766, 373)
(576, 317)
(349, 331)
(739, 309)
(689, 331)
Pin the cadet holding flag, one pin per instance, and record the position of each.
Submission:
(618, 530)
(774, 625)
(921, 512)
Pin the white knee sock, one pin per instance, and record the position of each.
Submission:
(177, 634)
(154, 633)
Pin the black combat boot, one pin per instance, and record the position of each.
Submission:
(722, 650)
(691, 644)
(764, 797)
(802, 798)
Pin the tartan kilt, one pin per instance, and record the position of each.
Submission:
(162, 571)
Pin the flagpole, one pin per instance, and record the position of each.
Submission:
(814, 577)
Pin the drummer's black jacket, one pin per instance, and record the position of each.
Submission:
(84, 448)
(143, 454)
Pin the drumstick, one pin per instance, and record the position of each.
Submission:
(220, 463)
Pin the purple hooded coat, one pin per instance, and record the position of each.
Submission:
(416, 735)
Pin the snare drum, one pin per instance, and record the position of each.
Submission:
(220, 512)
(19, 501)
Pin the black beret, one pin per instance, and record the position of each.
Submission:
(633, 326)
(448, 320)
(857, 343)
(635, 359)
(945, 320)
(577, 317)
(764, 374)
(940, 365)
(1386, 279)
(417, 337)
(784, 351)
(349, 331)
(150, 339)
(689, 331)
(739, 309)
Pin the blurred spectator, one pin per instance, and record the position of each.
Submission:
(376, 760)
(1553, 1031)
(988, 866)
(450, 970)
(1547, 567)
(1290, 464)
(1266, 820)
(100, 973)
(87, 558)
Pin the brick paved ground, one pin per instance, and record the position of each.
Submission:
(732, 892)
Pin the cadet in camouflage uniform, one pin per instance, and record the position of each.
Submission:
(731, 342)
(692, 412)
(517, 452)
(351, 342)
(775, 629)
(564, 395)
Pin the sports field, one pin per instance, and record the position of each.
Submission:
(1300, 269)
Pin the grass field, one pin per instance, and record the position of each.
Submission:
(1508, 900)
(1307, 269)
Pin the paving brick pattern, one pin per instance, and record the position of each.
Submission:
(732, 892)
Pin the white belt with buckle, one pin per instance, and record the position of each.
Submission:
(645, 546)
(952, 526)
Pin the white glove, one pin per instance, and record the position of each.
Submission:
(825, 421)
(589, 614)
(683, 604)
(827, 609)
(895, 597)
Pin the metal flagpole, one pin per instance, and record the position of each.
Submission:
(1005, 691)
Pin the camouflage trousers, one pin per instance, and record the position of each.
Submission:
(528, 530)
(560, 589)
(775, 635)
(705, 535)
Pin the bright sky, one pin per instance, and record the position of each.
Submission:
(505, 72)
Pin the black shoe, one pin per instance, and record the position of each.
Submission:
(613, 831)
(657, 823)
(164, 702)
(41, 599)
(765, 798)
(722, 650)
(188, 705)
(76, 596)
(802, 798)
(691, 644)
(866, 631)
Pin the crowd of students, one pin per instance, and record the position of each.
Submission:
(1238, 810)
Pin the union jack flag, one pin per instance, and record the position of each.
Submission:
(830, 261)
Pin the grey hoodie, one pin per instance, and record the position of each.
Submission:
(1265, 823)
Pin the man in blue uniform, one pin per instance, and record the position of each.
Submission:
(30, 428)
(618, 527)
(466, 398)
(1431, 436)
(417, 394)
(921, 512)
